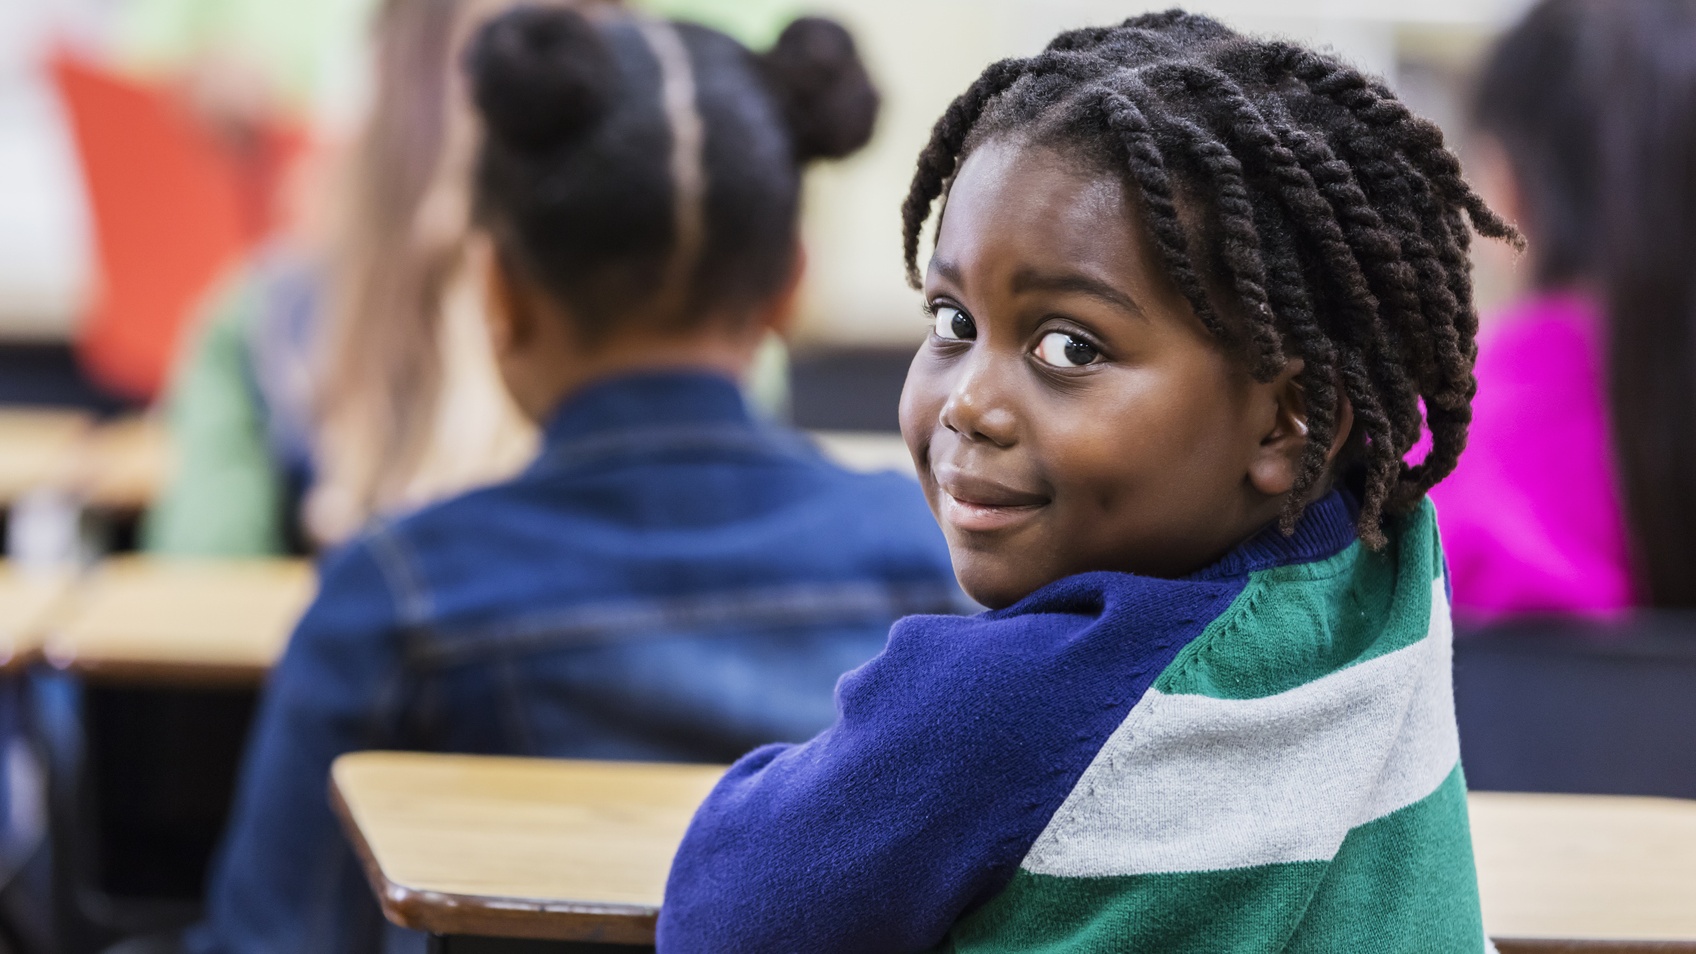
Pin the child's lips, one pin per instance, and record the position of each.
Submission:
(977, 505)
(974, 517)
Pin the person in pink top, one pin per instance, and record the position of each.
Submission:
(1577, 490)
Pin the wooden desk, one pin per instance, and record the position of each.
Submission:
(1556, 869)
(27, 604)
(143, 619)
(471, 847)
(123, 464)
(116, 466)
(38, 449)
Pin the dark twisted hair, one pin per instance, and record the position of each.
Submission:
(1303, 211)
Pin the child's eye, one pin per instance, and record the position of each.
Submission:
(1065, 351)
(951, 323)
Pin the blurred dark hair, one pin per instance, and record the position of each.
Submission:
(647, 170)
(1594, 102)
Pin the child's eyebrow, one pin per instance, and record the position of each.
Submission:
(948, 270)
(1030, 279)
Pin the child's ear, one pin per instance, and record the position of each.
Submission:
(1277, 461)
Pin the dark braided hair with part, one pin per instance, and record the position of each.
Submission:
(1300, 207)
(648, 172)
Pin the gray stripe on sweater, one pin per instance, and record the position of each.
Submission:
(1194, 783)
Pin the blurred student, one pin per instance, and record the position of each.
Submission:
(343, 374)
(333, 367)
(670, 578)
(1575, 492)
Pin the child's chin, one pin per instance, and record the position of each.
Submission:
(992, 583)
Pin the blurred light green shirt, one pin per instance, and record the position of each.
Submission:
(755, 22)
(311, 52)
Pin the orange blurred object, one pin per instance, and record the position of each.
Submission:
(173, 205)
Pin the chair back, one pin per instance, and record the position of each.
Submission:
(1587, 707)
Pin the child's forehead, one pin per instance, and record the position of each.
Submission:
(1025, 228)
(1013, 193)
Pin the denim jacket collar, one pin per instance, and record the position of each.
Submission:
(673, 398)
(641, 417)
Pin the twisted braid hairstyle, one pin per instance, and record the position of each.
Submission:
(1303, 211)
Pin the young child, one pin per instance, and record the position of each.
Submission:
(670, 579)
(1189, 291)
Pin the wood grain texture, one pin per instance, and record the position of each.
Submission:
(146, 619)
(1573, 868)
(525, 848)
(28, 604)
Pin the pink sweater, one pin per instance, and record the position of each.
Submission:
(1531, 519)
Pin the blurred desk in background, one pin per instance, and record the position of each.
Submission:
(77, 488)
(1582, 873)
(28, 601)
(181, 621)
(123, 464)
(159, 665)
(38, 449)
(486, 852)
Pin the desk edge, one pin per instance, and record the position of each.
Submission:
(152, 672)
(1508, 944)
(488, 916)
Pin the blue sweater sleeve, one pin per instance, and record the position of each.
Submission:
(285, 873)
(952, 751)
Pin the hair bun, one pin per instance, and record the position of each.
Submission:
(540, 76)
(828, 99)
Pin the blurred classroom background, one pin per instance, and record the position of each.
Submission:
(144, 672)
(859, 317)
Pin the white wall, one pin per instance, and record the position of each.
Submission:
(44, 253)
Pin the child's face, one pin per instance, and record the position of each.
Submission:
(1069, 412)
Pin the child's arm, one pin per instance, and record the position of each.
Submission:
(953, 750)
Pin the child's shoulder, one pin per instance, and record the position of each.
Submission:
(1296, 624)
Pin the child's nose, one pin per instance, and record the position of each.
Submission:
(979, 407)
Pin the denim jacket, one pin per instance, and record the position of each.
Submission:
(670, 579)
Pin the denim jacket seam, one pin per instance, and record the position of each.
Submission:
(586, 624)
(412, 601)
(584, 452)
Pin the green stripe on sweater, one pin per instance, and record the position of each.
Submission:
(1403, 884)
(1294, 624)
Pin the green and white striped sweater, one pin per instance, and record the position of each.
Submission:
(1296, 768)
(1261, 758)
